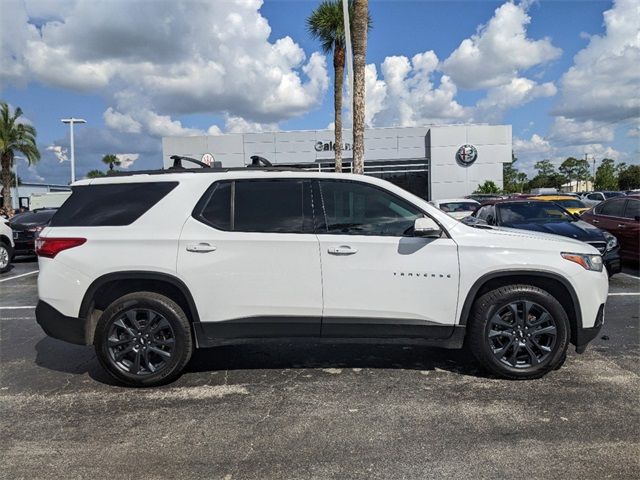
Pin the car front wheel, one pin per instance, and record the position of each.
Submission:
(519, 332)
(143, 339)
(5, 257)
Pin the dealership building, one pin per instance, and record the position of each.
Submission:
(434, 162)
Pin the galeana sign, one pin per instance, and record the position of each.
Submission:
(330, 146)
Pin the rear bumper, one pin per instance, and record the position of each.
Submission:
(59, 326)
(585, 335)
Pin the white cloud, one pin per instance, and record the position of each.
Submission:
(169, 57)
(517, 92)
(121, 122)
(494, 55)
(633, 132)
(127, 159)
(602, 84)
(566, 131)
(59, 152)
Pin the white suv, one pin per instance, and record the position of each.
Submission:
(148, 267)
(6, 245)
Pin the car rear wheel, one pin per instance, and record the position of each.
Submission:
(143, 339)
(519, 332)
(5, 257)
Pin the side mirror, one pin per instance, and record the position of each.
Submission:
(427, 228)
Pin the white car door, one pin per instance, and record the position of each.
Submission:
(378, 279)
(250, 258)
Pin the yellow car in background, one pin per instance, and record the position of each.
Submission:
(572, 204)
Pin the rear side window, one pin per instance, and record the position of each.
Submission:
(633, 209)
(109, 204)
(267, 206)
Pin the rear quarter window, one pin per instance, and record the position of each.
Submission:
(109, 204)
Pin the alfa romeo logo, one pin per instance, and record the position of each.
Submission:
(466, 155)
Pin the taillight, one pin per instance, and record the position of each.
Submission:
(50, 247)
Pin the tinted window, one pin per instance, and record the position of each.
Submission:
(109, 204)
(594, 196)
(37, 218)
(485, 212)
(530, 212)
(275, 206)
(458, 207)
(215, 206)
(357, 209)
(613, 208)
(570, 203)
(613, 194)
(633, 209)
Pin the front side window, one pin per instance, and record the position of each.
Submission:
(532, 212)
(267, 206)
(613, 208)
(352, 208)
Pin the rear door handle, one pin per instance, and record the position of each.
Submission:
(342, 250)
(621, 225)
(595, 221)
(200, 247)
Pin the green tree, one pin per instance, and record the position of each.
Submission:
(513, 179)
(547, 176)
(545, 168)
(575, 169)
(606, 178)
(629, 178)
(326, 24)
(95, 174)
(359, 41)
(14, 137)
(111, 160)
(487, 187)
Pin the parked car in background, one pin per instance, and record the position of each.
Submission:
(621, 217)
(547, 217)
(594, 198)
(26, 228)
(6, 246)
(457, 208)
(544, 191)
(484, 197)
(569, 203)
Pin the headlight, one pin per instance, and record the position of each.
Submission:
(612, 242)
(587, 261)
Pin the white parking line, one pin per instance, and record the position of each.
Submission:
(624, 294)
(18, 276)
(629, 275)
(17, 308)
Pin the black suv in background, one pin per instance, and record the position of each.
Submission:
(26, 228)
(548, 217)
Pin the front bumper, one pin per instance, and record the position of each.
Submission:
(57, 325)
(584, 335)
(612, 261)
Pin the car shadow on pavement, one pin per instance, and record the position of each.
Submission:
(276, 355)
(78, 360)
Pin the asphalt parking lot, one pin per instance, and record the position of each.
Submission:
(289, 411)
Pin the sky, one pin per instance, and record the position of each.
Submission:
(564, 73)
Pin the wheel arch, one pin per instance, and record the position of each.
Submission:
(556, 285)
(109, 287)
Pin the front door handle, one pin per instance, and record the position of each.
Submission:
(621, 225)
(342, 250)
(200, 247)
(595, 221)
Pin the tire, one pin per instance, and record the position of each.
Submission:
(519, 332)
(5, 257)
(143, 339)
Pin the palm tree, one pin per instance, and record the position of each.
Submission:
(14, 137)
(111, 160)
(326, 24)
(359, 39)
(95, 174)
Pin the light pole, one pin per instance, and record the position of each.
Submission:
(71, 121)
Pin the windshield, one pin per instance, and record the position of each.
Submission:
(538, 212)
(570, 203)
(39, 217)
(458, 207)
(613, 194)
